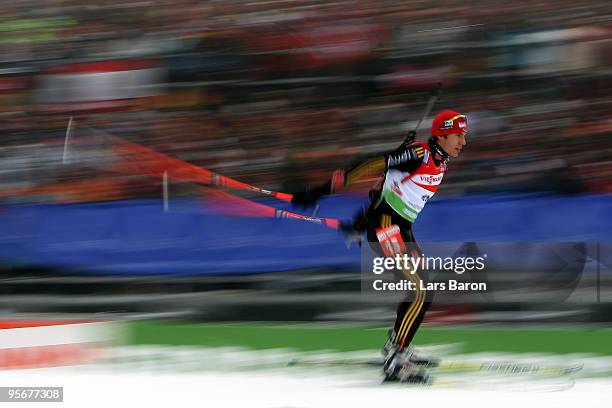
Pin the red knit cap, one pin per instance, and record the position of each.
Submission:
(447, 122)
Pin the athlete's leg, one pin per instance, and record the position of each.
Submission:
(411, 311)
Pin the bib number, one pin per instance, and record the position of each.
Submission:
(391, 240)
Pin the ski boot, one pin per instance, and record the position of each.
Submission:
(414, 356)
(397, 367)
(423, 360)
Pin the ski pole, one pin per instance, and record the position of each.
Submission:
(228, 204)
(180, 169)
(435, 94)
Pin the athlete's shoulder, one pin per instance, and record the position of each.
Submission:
(422, 144)
(420, 147)
(413, 152)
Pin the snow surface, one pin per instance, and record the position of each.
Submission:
(285, 390)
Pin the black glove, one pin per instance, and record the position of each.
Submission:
(347, 227)
(410, 137)
(351, 233)
(310, 196)
(306, 198)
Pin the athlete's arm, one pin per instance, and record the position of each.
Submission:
(406, 158)
(373, 167)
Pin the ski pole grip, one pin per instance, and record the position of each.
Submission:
(409, 138)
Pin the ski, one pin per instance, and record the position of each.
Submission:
(499, 367)
(502, 383)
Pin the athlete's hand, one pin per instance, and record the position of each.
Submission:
(306, 198)
(310, 196)
(410, 137)
(351, 233)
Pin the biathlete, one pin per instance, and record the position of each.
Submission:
(411, 175)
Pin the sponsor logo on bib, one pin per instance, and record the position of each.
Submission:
(430, 179)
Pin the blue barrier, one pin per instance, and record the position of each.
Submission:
(137, 237)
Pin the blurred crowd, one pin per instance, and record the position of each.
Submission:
(280, 93)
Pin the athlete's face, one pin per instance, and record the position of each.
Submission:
(452, 144)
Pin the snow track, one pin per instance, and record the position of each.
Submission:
(294, 389)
